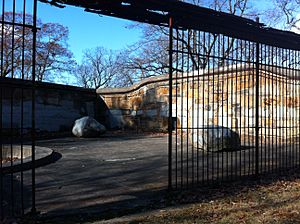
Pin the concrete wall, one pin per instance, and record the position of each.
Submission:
(57, 106)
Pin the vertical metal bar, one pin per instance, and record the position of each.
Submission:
(294, 155)
(276, 111)
(11, 151)
(187, 108)
(279, 81)
(1, 112)
(242, 81)
(247, 109)
(198, 102)
(298, 120)
(218, 100)
(170, 101)
(13, 39)
(12, 133)
(193, 106)
(257, 108)
(297, 94)
(203, 105)
(227, 105)
(286, 129)
(264, 122)
(294, 124)
(288, 111)
(272, 108)
(176, 129)
(236, 102)
(232, 83)
(190, 115)
(182, 118)
(34, 34)
(22, 106)
(252, 80)
(208, 106)
(194, 86)
(223, 80)
(293, 115)
(297, 112)
(213, 106)
(283, 113)
(294, 130)
(1, 159)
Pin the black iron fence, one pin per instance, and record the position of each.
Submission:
(17, 141)
(234, 102)
(236, 105)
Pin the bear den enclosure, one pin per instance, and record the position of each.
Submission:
(230, 105)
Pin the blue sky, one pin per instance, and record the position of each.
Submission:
(89, 30)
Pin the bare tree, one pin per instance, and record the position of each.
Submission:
(149, 56)
(284, 14)
(99, 68)
(52, 54)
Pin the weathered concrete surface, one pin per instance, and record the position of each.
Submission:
(57, 106)
(223, 96)
(102, 175)
(142, 106)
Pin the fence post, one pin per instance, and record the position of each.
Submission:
(170, 123)
(257, 107)
(34, 33)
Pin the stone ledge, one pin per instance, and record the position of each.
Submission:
(134, 87)
(294, 74)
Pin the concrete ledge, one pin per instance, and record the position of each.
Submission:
(134, 87)
(293, 74)
(43, 156)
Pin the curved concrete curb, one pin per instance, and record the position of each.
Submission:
(43, 156)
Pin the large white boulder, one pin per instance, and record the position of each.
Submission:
(87, 127)
(216, 138)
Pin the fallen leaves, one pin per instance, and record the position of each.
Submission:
(272, 202)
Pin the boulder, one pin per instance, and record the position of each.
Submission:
(87, 127)
(215, 138)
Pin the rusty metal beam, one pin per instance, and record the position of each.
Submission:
(187, 16)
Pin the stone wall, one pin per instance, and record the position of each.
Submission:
(57, 106)
(143, 106)
(224, 97)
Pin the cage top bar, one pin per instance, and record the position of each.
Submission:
(187, 16)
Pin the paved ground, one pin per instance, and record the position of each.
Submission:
(102, 175)
(118, 174)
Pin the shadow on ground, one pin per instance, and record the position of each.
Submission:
(106, 176)
(112, 176)
(164, 199)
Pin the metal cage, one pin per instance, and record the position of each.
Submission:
(17, 107)
(236, 106)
